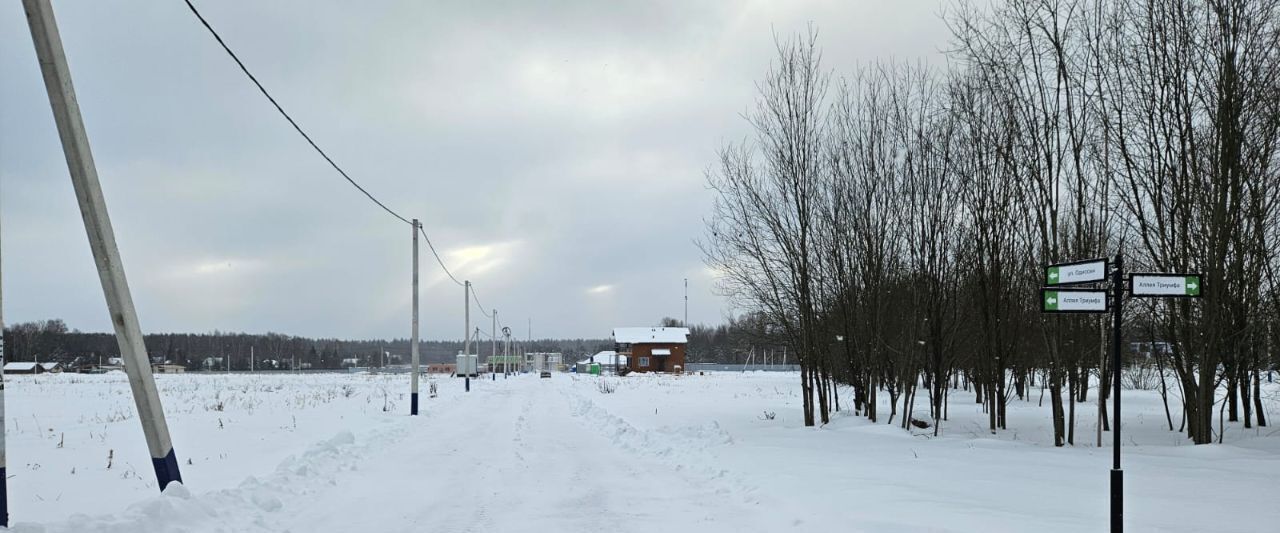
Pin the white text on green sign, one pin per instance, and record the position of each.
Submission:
(1076, 273)
(1165, 285)
(1066, 301)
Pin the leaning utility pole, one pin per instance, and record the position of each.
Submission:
(413, 334)
(4, 483)
(102, 239)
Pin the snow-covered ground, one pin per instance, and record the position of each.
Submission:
(337, 452)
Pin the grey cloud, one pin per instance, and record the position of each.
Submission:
(568, 139)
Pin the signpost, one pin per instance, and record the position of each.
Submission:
(1073, 301)
(1092, 270)
(1057, 299)
(1164, 285)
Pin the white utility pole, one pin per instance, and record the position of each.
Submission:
(506, 352)
(493, 340)
(466, 343)
(4, 483)
(686, 303)
(413, 335)
(102, 239)
(251, 358)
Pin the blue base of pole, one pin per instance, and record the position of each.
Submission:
(495, 376)
(166, 469)
(468, 383)
(1117, 500)
(4, 498)
(413, 404)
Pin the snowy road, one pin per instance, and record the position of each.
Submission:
(514, 459)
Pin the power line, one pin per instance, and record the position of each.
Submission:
(322, 153)
(290, 119)
(478, 304)
(432, 247)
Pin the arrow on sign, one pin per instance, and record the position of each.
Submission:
(1053, 275)
(1192, 285)
(1052, 300)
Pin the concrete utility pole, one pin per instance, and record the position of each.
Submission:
(466, 343)
(686, 303)
(4, 483)
(493, 340)
(506, 352)
(251, 358)
(102, 239)
(413, 335)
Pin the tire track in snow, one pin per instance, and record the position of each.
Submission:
(689, 449)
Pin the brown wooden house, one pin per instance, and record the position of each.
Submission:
(652, 349)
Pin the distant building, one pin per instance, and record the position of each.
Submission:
(441, 368)
(499, 363)
(350, 362)
(545, 361)
(652, 349)
(168, 368)
(53, 368)
(25, 367)
(606, 359)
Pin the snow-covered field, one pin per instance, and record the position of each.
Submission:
(337, 452)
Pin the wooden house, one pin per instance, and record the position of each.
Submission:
(652, 349)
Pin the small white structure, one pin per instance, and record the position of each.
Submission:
(467, 365)
(606, 359)
(51, 367)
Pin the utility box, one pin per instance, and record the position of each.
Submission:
(468, 365)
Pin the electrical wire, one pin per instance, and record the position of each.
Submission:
(286, 115)
(478, 304)
(326, 157)
(432, 247)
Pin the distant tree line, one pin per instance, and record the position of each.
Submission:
(51, 340)
(892, 224)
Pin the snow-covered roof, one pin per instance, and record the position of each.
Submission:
(605, 358)
(25, 366)
(651, 335)
(50, 366)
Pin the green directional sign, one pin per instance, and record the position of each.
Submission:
(1165, 285)
(1073, 301)
(1090, 271)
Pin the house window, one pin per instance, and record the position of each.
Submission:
(644, 362)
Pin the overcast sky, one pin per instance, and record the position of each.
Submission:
(554, 150)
